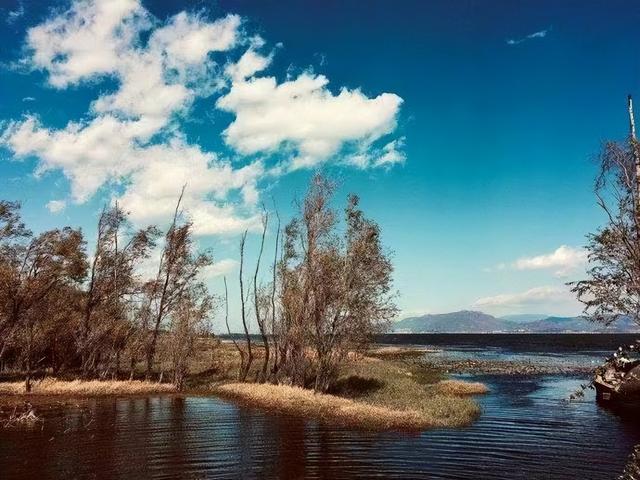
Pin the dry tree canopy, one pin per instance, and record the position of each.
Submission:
(63, 309)
(329, 291)
(335, 287)
(612, 288)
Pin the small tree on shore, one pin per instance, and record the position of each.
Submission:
(111, 282)
(613, 286)
(178, 270)
(335, 289)
(32, 273)
(189, 322)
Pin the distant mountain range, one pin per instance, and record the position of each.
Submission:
(467, 321)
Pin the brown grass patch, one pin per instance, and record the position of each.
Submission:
(52, 386)
(398, 353)
(303, 402)
(461, 388)
(383, 395)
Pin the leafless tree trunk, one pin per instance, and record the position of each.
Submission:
(274, 333)
(226, 321)
(168, 257)
(257, 303)
(244, 371)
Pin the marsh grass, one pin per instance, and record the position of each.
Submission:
(53, 386)
(372, 394)
(393, 390)
(303, 402)
(461, 388)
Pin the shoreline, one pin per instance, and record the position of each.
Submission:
(53, 387)
(379, 392)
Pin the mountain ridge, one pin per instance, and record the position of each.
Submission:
(471, 321)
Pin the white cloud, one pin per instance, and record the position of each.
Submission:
(553, 299)
(540, 34)
(249, 64)
(154, 189)
(303, 116)
(188, 39)
(564, 260)
(220, 268)
(131, 136)
(28, 99)
(86, 41)
(156, 81)
(56, 206)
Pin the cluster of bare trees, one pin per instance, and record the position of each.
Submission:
(330, 292)
(64, 309)
(613, 285)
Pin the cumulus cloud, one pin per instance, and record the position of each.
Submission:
(86, 41)
(563, 260)
(555, 299)
(56, 206)
(132, 137)
(153, 190)
(303, 116)
(539, 34)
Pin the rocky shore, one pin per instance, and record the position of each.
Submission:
(503, 367)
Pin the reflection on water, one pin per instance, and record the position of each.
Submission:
(526, 431)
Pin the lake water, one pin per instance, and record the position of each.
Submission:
(526, 431)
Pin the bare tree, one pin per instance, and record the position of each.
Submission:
(273, 310)
(177, 270)
(32, 273)
(336, 289)
(189, 322)
(13, 239)
(260, 319)
(613, 286)
(248, 360)
(111, 281)
(226, 321)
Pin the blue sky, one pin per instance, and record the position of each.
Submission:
(469, 129)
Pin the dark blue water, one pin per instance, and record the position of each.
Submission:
(527, 431)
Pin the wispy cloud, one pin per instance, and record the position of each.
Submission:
(28, 99)
(220, 268)
(14, 15)
(555, 299)
(531, 36)
(56, 206)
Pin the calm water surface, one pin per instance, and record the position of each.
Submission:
(526, 431)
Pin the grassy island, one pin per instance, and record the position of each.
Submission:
(385, 389)
(375, 391)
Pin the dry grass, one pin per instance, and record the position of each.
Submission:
(461, 388)
(303, 402)
(52, 386)
(378, 395)
(390, 352)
